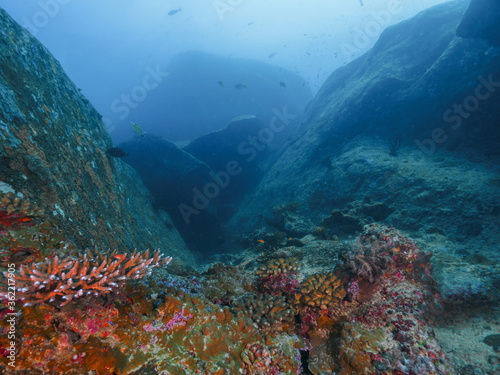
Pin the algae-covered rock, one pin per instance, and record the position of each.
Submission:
(53, 149)
(419, 61)
(481, 20)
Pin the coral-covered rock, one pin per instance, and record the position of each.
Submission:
(53, 154)
(322, 290)
(267, 312)
(63, 281)
(222, 283)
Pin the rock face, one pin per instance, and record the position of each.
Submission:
(244, 141)
(420, 83)
(180, 184)
(53, 150)
(201, 185)
(482, 20)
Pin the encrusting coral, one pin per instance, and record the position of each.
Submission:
(62, 281)
(13, 207)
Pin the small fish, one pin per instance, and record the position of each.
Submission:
(120, 256)
(240, 86)
(174, 11)
(116, 152)
(109, 321)
(136, 128)
(261, 241)
(221, 84)
(250, 23)
(272, 55)
(283, 84)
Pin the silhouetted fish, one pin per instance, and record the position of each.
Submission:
(272, 55)
(240, 86)
(175, 11)
(221, 84)
(116, 152)
(283, 84)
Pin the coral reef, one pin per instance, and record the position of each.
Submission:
(278, 277)
(54, 280)
(278, 266)
(14, 208)
(27, 234)
(184, 335)
(111, 312)
(53, 152)
(268, 312)
(321, 290)
(223, 282)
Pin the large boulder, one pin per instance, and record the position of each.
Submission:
(245, 141)
(482, 20)
(180, 184)
(53, 149)
(420, 86)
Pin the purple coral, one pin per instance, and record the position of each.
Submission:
(179, 320)
(353, 289)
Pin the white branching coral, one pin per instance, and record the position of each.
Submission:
(63, 281)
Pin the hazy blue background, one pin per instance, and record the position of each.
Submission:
(107, 46)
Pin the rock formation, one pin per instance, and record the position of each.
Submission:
(53, 150)
(420, 84)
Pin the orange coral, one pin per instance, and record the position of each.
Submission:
(74, 278)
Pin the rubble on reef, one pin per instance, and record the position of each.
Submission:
(336, 320)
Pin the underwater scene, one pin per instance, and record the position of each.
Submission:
(236, 187)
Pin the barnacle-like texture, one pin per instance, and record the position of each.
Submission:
(321, 290)
(223, 282)
(265, 311)
(63, 281)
